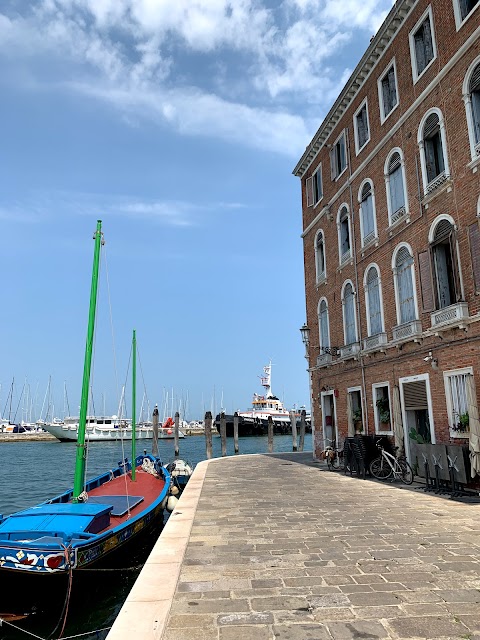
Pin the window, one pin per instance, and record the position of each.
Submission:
(459, 385)
(433, 158)
(422, 45)
(343, 223)
(395, 184)
(373, 300)
(471, 98)
(349, 324)
(338, 157)
(354, 410)
(361, 127)
(387, 92)
(320, 265)
(323, 324)
(404, 285)
(367, 213)
(463, 9)
(314, 187)
(381, 407)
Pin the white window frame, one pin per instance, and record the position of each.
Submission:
(375, 386)
(320, 277)
(349, 282)
(337, 141)
(383, 116)
(459, 21)
(395, 282)
(367, 301)
(455, 257)
(467, 99)
(339, 235)
(411, 37)
(362, 405)
(359, 148)
(401, 383)
(446, 376)
(323, 299)
(374, 212)
(421, 145)
(387, 184)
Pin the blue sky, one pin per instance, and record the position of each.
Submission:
(178, 124)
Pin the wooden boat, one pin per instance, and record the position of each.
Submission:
(93, 525)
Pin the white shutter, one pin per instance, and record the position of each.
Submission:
(309, 190)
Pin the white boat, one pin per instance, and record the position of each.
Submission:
(105, 428)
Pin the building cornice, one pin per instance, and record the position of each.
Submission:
(373, 54)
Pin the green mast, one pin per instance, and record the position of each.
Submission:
(78, 481)
(134, 401)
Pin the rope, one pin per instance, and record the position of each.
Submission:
(33, 635)
(66, 604)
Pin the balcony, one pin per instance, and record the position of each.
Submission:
(436, 182)
(398, 215)
(324, 359)
(349, 350)
(407, 331)
(376, 342)
(455, 314)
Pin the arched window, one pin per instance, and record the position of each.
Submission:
(367, 213)
(395, 184)
(323, 324)
(404, 285)
(373, 302)
(444, 263)
(320, 265)
(344, 244)
(471, 97)
(349, 324)
(432, 142)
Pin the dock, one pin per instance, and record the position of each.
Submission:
(30, 436)
(275, 546)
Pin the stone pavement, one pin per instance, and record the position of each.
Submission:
(281, 548)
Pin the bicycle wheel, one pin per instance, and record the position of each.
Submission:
(407, 471)
(380, 469)
(331, 461)
(336, 462)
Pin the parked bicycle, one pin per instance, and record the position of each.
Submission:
(333, 456)
(387, 467)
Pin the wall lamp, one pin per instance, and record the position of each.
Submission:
(433, 361)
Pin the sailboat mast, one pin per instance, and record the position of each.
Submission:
(134, 401)
(81, 453)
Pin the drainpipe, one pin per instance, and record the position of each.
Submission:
(357, 297)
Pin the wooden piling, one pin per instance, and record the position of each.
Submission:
(223, 433)
(208, 433)
(155, 431)
(175, 432)
(293, 422)
(235, 431)
(303, 420)
(270, 434)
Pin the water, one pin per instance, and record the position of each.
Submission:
(31, 472)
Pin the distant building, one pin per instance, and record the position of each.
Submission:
(391, 209)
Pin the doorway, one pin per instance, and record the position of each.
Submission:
(329, 418)
(417, 412)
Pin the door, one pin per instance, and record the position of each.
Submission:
(417, 411)
(329, 419)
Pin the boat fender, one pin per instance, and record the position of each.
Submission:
(174, 490)
(171, 503)
(163, 504)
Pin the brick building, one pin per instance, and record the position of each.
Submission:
(391, 210)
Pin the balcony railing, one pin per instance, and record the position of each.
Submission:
(398, 215)
(372, 343)
(407, 330)
(454, 314)
(349, 350)
(345, 257)
(324, 359)
(436, 182)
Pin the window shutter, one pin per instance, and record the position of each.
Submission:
(349, 302)
(374, 307)
(386, 96)
(474, 236)
(475, 79)
(392, 88)
(415, 395)
(309, 190)
(426, 283)
(443, 230)
(476, 113)
(404, 263)
(431, 125)
(395, 162)
(427, 38)
(419, 50)
(333, 167)
(397, 192)
(324, 342)
(456, 274)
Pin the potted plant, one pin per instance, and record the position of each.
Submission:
(383, 407)
(357, 420)
(463, 422)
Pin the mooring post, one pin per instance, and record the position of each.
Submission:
(293, 422)
(176, 428)
(155, 432)
(270, 434)
(208, 433)
(235, 431)
(223, 433)
(303, 420)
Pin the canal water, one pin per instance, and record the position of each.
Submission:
(31, 472)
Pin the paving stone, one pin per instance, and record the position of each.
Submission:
(245, 618)
(301, 632)
(244, 633)
(428, 627)
(375, 598)
(460, 595)
(367, 629)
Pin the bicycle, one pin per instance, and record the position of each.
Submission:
(387, 466)
(333, 456)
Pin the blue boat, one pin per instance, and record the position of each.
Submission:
(93, 525)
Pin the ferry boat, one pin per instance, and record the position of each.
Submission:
(108, 428)
(254, 421)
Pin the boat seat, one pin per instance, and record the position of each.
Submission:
(121, 504)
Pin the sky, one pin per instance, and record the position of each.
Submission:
(178, 124)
